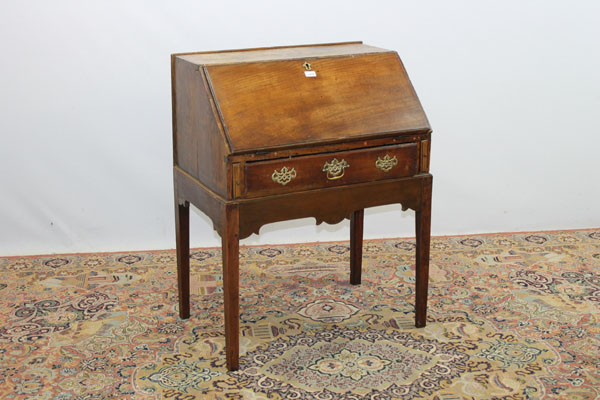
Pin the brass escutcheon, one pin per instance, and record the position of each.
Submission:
(386, 163)
(285, 176)
(335, 168)
(306, 66)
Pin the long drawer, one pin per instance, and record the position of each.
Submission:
(327, 170)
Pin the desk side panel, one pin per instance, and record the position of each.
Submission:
(200, 147)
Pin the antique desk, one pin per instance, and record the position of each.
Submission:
(272, 134)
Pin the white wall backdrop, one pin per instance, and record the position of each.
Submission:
(511, 88)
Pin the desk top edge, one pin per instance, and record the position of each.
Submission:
(266, 54)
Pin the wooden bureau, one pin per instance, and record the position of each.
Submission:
(272, 134)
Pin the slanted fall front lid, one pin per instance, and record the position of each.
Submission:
(309, 95)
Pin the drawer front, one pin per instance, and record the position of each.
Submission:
(328, 170)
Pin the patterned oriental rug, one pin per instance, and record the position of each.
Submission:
(511, 316)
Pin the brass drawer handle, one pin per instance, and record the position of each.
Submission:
(335, 168)
(386, 163)
(285, 176)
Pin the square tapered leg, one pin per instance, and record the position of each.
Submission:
(423, 229)
(356, 242)
(231, 259)
(182, 234)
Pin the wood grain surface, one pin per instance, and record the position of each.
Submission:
(241, 115)
(266, 105)
(310, 175)
(200, 145)
(279, 53)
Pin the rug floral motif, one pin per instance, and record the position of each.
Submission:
(510, 316)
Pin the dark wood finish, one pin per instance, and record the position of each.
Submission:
(363, 95)
(310, 174)
(424, 162)
(230, 249)
(200, 144)
(192, 190)
(328, 205)
(182, 236)
(356, 241)
(240, 115)
(330, 147)
(423, 227)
